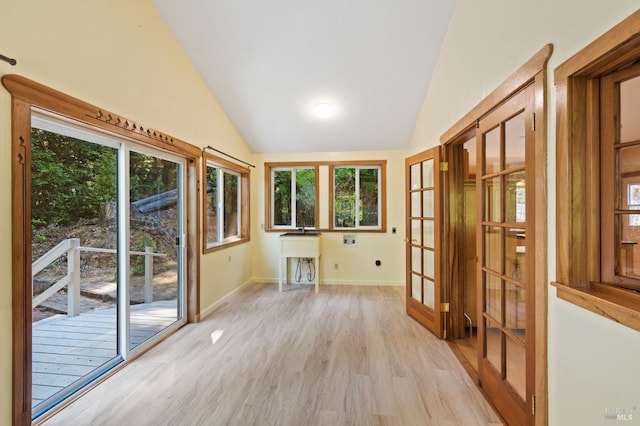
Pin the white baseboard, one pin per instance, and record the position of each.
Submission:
(210, 309)
(336, 282)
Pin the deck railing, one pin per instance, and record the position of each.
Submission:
(71, 248)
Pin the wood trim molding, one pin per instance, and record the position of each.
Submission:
(68, 106)
(578, 174)
(516, 81)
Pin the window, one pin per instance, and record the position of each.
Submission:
(356, 197)
(293, 191)
(226, 201)
(598, 164)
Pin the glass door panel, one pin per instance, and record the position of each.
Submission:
(74, 282)
(154, 242)
(423, 285)
(503, 227)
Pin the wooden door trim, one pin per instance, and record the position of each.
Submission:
(534, 72)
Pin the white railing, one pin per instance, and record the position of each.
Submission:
(71, 247)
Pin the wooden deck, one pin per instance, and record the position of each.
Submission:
(65, 349)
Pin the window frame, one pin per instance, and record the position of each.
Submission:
(269, 198)
(243, 202)
(578, 170)
(359, 165)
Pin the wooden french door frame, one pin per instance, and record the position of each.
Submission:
(423, 239)
(532, 73)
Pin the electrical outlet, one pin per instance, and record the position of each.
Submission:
(229, 259)
(394, 230)
(335, 266)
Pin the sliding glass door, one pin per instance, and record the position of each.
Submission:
(108, 249)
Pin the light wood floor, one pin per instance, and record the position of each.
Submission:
(346, 356)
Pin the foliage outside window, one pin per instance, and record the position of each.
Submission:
(226, 204)
(633, 202)
(294, 197)
(356, 200)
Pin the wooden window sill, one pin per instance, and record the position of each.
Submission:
(617, 304)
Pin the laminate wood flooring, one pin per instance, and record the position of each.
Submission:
(346, 356)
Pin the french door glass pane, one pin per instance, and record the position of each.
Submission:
(416, 287)
(492, 153)
(414, 175)
(427, 174)
(428, 233)
(515, 255)
(514, 146)
(416, 260)
(416, 210)
(427, 203)
(515, 197)
(515, 310)
(493, 248)
(493, 189)
(493, 296)
(493, 344)
(516, 366)
(415, 231)
(429, 293)
(429, 263)
(74, 215)
(155, 230)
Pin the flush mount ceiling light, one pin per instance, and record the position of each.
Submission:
(323, 110)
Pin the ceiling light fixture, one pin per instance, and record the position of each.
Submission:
(323, 110)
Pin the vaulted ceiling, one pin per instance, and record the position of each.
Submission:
(298, 76)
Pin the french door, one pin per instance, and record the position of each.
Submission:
(423, 239)
(505, 272)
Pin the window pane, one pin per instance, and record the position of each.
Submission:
(230, 214)
(515, 198)
(514, 147)
(629, 159)
(628, 251)
(492, 151)
(306, 198)
(211, 211)
(282, 197)
(345, 197)
(369, 197)
(629, 112)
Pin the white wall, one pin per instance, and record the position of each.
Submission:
(593, 362)
(119, 55)
(356, 265)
